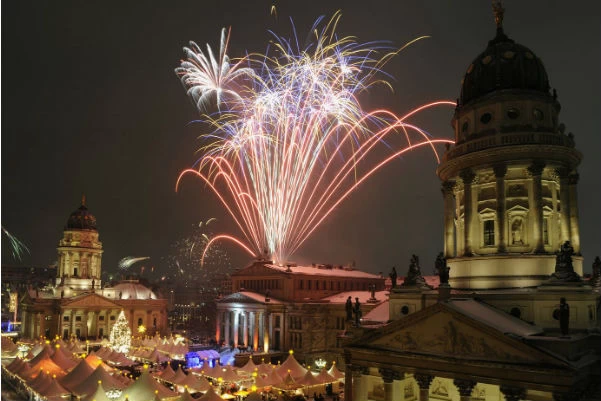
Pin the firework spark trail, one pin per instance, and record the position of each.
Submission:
(17, 247)
(290, 140)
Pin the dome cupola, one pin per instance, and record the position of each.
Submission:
(81, 219)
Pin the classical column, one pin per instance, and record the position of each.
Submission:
(500, 171)
(465, 388)
(389, 376)
(423, 381)
(468, 177)
(236, 327)
(574, 229)
(266, 328)
(218, 326)
(564, 204)
(449, 215)
(358, 384)
(245, 328)
(256, 332)
(536, 209)
(512, 393)
(227, 315)
(348, 376)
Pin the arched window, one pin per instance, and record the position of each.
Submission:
(139, 321)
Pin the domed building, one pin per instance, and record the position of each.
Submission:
(512, 317)
(79, 304)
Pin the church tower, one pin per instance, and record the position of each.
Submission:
(509, 182)
(80, 251)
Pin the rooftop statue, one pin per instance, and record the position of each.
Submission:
(442, 268)
(564, 270)
(414, 275)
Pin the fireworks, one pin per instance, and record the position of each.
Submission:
(128, 261)
(17, 248)
(290, 140)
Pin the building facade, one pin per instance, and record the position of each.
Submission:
(512, 319)
(78, 303)
(277, 308)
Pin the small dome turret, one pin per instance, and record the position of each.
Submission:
(81, 219)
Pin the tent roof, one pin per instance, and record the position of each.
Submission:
(144, 389)
(309, 379)
(89, 384)
(335, 373)
(77, 375)
(291, 365)
(210, 395)
(98, 395)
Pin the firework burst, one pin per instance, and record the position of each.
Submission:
(294, 141)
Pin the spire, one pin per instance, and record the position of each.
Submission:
(83, 199)
(498, 10)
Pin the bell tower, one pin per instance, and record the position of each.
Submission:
(80, 251)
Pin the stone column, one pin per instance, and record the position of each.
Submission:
(245, 329)
(348, 377)
(227, 328)
(449, 214)
(358, 384)
(564, 203)
(423, 381)
(500, 171)
(512, 393)
(218, 326)
(236, 327)
(256, 332)
(574, 228)
(266, 328)
(465, 388)
(536, 209)
(468, 177)
(389, 376)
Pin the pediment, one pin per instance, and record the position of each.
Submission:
(90, 300)
(443, 332)
(238, 297)
(257, 269)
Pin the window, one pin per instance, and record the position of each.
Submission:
(405, 310)
(489, 232)
(486, 118)
(300, 284)
(513, 113)
(65, 318)
(112, 318)
(78, 318)
(101, 318)
(139, 321)
(537, 114)
(308, 284)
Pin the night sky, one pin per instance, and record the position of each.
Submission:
(90, 103)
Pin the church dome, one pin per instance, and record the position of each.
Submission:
(504, 64)
(82, 219)
(132, 289)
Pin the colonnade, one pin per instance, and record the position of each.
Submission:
(399, 386)
(241, 327)
(464, 245)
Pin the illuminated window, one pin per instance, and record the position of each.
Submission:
(489, 232)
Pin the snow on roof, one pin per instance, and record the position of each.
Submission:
(323, 270)
(364, 296)
(494, 317)
(379, 314)
(260, 297)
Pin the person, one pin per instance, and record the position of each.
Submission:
(564, 317)
(349, 309)
(357, 312)
(393, 277)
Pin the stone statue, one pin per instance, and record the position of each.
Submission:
(596, 277)
(564, 270)
(442, 268)
(516, 232)
(372, 290)
(393, 277)
(564, 317)
(357, 310)
(414, 275)
(349, 308)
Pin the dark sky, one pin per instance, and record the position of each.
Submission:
(90, 103)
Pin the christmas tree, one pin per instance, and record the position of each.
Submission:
(120, 339)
